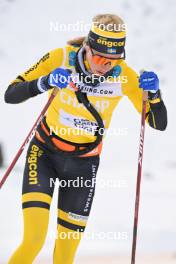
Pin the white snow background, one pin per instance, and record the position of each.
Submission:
(25, 38)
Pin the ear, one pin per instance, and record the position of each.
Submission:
(87, 48)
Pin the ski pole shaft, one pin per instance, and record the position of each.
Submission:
(29, 136)
(139, 174)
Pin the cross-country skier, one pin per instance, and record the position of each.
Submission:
(68, 141)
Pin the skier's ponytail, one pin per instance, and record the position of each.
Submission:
(77, 41)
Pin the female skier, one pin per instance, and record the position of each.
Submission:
(68, 141)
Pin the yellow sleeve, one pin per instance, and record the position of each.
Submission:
(131, 89)
(44, 66)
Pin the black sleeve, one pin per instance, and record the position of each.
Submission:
(21, 91)
(157, 116)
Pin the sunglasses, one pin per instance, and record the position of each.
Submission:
(101, 60)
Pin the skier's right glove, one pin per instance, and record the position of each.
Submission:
(59, 78)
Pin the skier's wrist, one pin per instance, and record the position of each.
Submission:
(42, 84)
(154, 98)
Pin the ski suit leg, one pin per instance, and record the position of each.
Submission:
(36, 199)
(74, 204)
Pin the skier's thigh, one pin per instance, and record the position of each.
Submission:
(39, 172)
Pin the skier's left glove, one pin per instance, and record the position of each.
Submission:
(59, 78)
(149, 81)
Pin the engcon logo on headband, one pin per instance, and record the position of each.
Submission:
(110, 44)
(106, 45)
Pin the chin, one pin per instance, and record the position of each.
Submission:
(100, 73)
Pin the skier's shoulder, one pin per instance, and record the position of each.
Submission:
(128, 70)
(64, 56)
(131, 77)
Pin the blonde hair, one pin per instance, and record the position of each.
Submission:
(107, 22)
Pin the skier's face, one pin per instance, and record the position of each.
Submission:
(100, 63)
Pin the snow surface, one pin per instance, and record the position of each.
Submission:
(25, 27)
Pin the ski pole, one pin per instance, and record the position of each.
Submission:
(29, 136)
(139, 174)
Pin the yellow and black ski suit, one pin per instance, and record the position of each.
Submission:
(44, 166)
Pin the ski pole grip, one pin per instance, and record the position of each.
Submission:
(145, 96)
(56, 90)
(145, 93)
